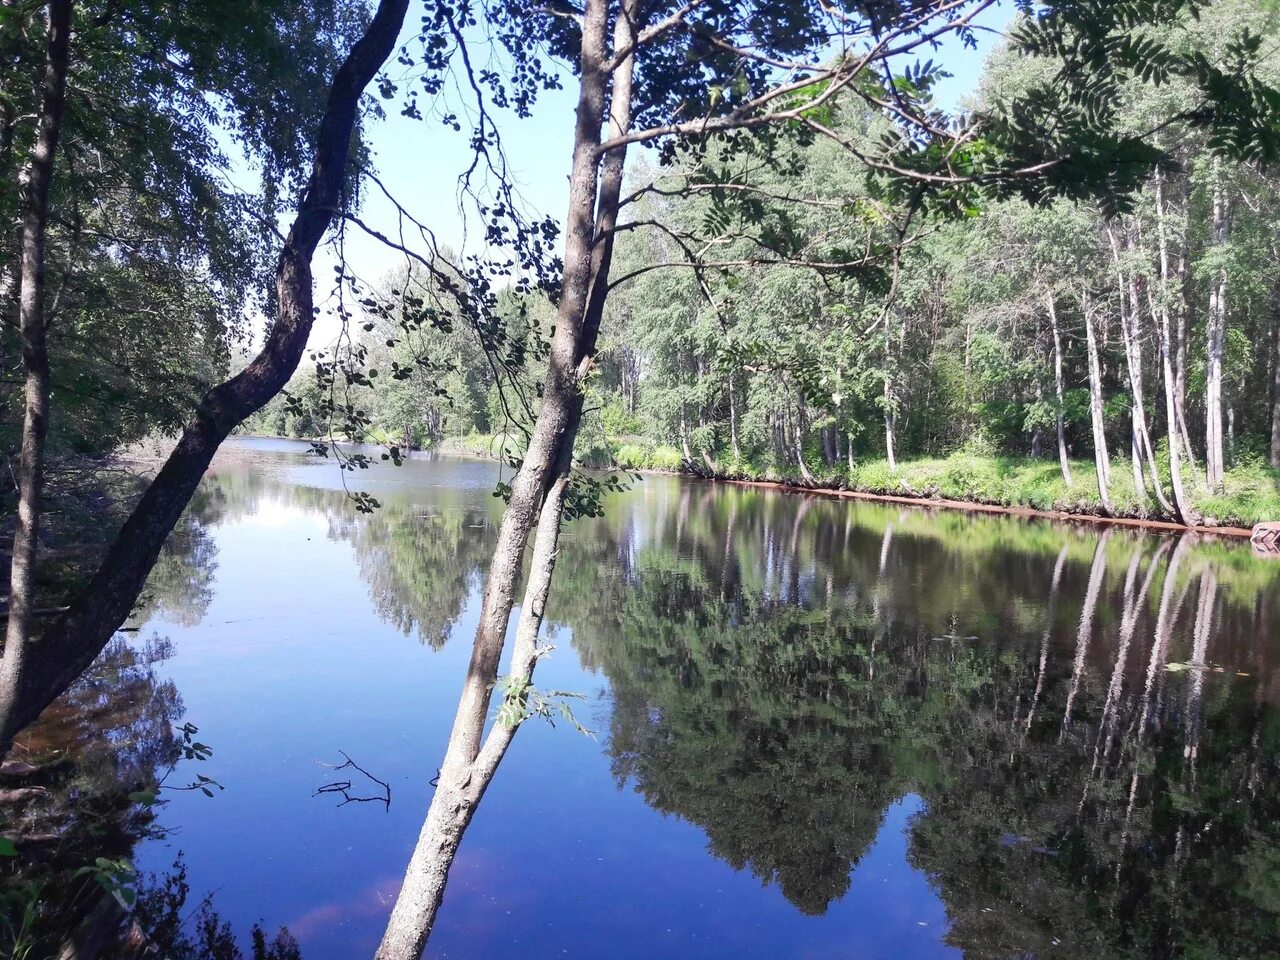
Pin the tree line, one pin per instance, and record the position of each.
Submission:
(1015, 327)
(117, 113)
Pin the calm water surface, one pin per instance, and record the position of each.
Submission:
(823, 729)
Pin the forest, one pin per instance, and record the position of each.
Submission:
(1012, 354)
(786, 248)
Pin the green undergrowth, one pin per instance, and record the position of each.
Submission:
(1252, 492)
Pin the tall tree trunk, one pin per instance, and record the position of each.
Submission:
(1182, 272)
(890, 418)
(1063, 461)
(733, 423)
(537, 495)
(1275, 394)
(1214, 460)
(1131, 334)
(70, 644)
(1102, 460)
(36, 181)
(1176, 430)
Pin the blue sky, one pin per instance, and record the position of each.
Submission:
(419, 160)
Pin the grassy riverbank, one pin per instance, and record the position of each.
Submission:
(1252, 490)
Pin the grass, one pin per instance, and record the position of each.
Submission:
(1252, 492)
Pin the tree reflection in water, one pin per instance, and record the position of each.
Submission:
(83, 786)
(1098, 764)
(1088, 720)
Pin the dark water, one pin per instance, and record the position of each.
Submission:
(823, 729)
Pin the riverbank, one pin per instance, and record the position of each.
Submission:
(1022, 486)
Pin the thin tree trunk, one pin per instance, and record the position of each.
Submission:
(37, 179)
(463, 779)
(1135, 460)
(1063, 461)
(1131, 334)
(1102, 461)
(71, 642)
(1275, 395)
(889, 422)
(798, 441)
(1214, 461)
(471, 759)
(733, 423)
(1183, 319)
(1181, 506)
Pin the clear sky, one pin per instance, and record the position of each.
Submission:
(420, 160)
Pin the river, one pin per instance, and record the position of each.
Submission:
(818, 728)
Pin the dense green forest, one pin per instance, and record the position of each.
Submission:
(1016, 353)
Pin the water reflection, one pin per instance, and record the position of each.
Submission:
(1088, 719)
(1074, 734)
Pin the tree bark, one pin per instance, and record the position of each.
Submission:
(797, 439)
(1102, 461)
(34, 189)
(733, 423)
(538, 490)
(1063, 461)
(1182, 271)
(1131, 334)
(72, 642)
(462, 782)
(1176, 430)
(1275, 394)
(1216, 335)
(889, 420)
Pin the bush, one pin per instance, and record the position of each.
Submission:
(665, 458)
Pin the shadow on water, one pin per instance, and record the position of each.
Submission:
(1069, 739)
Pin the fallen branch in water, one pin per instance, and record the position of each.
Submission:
(344, 787)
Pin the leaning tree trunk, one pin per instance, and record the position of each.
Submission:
(1063, 461)
(1217, 329)
(538, 490)
(797, 439)
(1102, 461)
(34, 189)
(70, 644)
